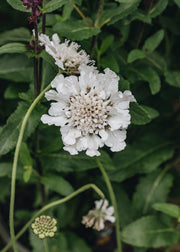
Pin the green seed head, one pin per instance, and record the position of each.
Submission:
(44, 226)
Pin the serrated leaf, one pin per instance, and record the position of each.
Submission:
(54, 5)
(177, 2)
(134, 55)
(58, 184)
(146, 155)
(75, 30)
(13, 48)
(18, 34)
(10, 132)
(139, 114)
(153, 42)
(158, 8)
(167, 208)
(17, 5)
(152, 188)
(15, 68)
(150, 232)
(173, 78)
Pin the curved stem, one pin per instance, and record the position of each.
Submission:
(114, 203)
(81, 14)
(55, 203)
(14, 168)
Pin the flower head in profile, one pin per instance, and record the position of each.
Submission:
(90, 111)
(44, 226)
(67, 55)
(98, 216)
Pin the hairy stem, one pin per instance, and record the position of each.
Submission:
(14, 168)
(114, 203)
(55, 203)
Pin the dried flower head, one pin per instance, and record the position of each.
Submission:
(97, 217)
(90, 111)
(44, 226)
(67, 56)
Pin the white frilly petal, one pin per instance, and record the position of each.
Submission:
(116, 140)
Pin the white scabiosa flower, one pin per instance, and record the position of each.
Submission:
(98, 216)
(90, 111)
(67, 56)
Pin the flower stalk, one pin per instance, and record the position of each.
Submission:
(114, 203)
(14, 168)
(48, 206)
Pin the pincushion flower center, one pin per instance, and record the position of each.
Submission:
(88, 112)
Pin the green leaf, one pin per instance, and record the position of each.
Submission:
(106, 43)
(6, 170)
(140, 115)
(126, 1)
(26, 160)
(36, 243)
(75, 30)
(158, 8)
(150, 75)
(146, 154)
(10, 132)
(177, 2)
(152, 113)
(152, 188)
(17, 5)
(173, 78)
(116, 13)
(111, 62)
(54, 5)
(13, 48)
(168, 208)
(58, 184)
(64, 162)
(15, 68)
(124, 84)
(153, 42)
(123, 204)
(5, 188)
(134, 55)
(150, 232)
(18, 34)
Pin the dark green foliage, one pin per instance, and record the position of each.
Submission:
(137, 39)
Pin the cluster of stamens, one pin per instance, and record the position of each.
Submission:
(88, 112)
(44, 226)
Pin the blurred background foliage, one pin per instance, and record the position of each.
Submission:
(139, 40)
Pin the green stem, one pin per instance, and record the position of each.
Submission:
(46, 249)
(81, 14)
(55, 203)
(14, 168)
(114, 203)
